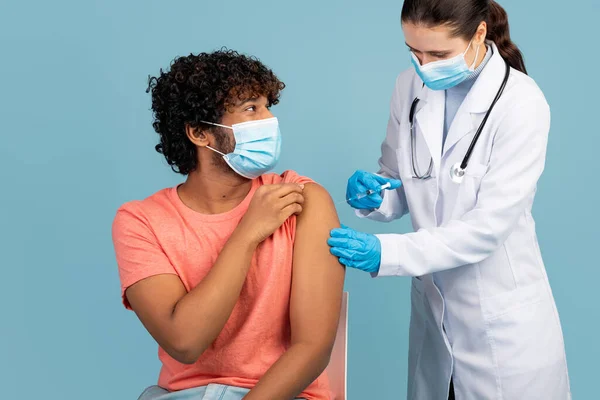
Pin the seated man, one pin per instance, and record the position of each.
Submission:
(230, 272)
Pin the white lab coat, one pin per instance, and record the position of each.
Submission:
(482, 308)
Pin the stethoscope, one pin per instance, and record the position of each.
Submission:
(457, 172)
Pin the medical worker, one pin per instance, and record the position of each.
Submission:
(465, 147)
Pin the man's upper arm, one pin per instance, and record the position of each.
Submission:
(150, 285)
(318, 278)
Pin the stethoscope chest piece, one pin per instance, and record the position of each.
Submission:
(457, 173)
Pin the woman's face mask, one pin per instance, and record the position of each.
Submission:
(437, 43)
(257, 147)
(445, 74)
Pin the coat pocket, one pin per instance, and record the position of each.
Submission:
(498, 305)
(523, 332)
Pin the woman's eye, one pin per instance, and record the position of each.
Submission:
(251, 108)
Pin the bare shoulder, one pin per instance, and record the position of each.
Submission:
(318, 209)
(316, 193)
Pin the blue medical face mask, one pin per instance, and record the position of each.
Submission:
(445, 74)
(257, 147)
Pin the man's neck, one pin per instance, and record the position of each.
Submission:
(213, 192)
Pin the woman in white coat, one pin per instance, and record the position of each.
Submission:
(484, 324)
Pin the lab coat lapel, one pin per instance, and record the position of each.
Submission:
(461, 126)
(430, 121)
(478, 100)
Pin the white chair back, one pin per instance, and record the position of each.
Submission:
(337, 368)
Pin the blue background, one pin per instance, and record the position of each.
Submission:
(76, 142)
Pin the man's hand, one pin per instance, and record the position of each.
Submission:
(270, 207)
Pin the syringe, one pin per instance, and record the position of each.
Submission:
(369, 192)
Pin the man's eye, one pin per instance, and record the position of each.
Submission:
(251, 108)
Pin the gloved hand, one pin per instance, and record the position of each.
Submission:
(355, 249)
(361, 182)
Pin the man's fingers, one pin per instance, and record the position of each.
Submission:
(283, 189)
(292, 209)
(290, 198)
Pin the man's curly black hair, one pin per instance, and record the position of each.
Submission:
(202, 88)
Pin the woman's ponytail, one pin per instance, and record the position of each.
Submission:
(499, 33)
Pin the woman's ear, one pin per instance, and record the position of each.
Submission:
(481, 34)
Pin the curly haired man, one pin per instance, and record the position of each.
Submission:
(230, 271)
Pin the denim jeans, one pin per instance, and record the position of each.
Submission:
(212, 391)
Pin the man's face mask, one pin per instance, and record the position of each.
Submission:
(257, 147)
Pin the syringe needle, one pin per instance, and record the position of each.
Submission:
(367, 193)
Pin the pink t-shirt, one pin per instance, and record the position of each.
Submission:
(160, 235)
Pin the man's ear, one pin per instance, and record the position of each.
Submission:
(197, 136)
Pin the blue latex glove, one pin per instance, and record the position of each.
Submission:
(355, 249)
(363, 181)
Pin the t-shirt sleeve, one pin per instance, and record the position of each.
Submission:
(293, 177)
(139, 255)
